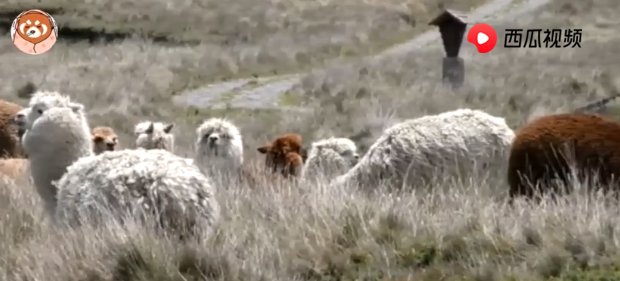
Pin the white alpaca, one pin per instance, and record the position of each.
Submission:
(416, 150)
(218, 146)
(40, 103)
(75, 184)
(329, 158)
(154, 135)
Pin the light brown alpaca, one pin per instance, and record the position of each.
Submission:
(104, 139)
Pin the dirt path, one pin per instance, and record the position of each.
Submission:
(265, 92)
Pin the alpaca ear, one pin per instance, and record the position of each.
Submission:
(264, 149)
(168, 128)
(150, 129)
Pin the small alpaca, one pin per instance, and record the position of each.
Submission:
(544, 150)
(75, 184)
(415, 151)
(104, 139)
(154, 135)
(329, 158)
(218, 147)
(284, 155)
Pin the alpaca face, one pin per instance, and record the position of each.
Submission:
(284, 156)
(218, 137)
(215, 141)
(104, 139)
(43, 103)
(20, 119)
(152, 135)
(348, 151)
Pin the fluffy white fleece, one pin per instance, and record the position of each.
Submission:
(417, 150)
(75, 184)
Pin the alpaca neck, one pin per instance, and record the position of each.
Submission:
(46, 173)
(49, 161)
(214, 162)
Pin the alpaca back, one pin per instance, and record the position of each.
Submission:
(417, 150)
(135, 183)
(546, 150)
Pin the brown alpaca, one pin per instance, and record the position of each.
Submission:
(543, 150)
(10, 146)
(104, 139)
(285, 155)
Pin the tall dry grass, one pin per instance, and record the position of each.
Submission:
(458, 230)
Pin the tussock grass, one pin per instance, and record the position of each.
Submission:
(452, 232)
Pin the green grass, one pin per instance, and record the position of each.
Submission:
(291, 99)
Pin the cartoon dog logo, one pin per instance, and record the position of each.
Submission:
(34, 32)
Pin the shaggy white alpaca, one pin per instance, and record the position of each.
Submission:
(154, 135)
(329, 158)
(218, 146)
(417, 150)
(40, 103)
(75, 184)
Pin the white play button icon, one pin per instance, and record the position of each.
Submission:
(482, 38)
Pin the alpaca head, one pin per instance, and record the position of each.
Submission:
(330, 158)
(343, 147)
(39, 95)
(154, 135)
(43, 102)
(56, 125)
(218, 137)
(284, 155)
(104, 139)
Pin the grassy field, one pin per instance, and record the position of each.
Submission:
(457, 231)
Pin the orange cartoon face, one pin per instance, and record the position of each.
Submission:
(34, 26)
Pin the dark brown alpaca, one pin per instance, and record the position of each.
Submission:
(285, 155)
(543, 150)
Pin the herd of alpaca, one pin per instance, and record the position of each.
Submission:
(81, 174)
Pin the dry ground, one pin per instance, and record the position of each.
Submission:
(458, 231)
